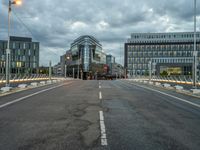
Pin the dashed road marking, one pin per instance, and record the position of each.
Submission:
(103, 129)
(100, 95)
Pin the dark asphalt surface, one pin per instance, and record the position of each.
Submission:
(140, 119)
(67, 118)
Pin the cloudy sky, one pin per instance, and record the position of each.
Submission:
(56, 23)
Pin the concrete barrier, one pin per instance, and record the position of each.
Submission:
(178, 87)
(5, 89)
(22, 86)
(34, 84)
(54, 81)
(150, 82)
(43, 82)
(195, 91)
(145, 82)
(157, 83)
(49, 81)
(166, 85)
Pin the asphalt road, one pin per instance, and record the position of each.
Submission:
(65, 116)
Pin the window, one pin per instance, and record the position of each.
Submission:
(14, 46)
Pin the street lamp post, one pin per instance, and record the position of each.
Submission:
(49, 70)
(15, 2)
(65, 70)
(195, 52)
(66, 63)
(78, 70)
(150, 70)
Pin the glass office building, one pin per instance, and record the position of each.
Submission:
(24, 55)
(87, 53)
(110, 60)
(169, 52)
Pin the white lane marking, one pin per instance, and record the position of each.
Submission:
(100, 86)
(100, 95)
(103, 129)
(36, 93)
(180, 99)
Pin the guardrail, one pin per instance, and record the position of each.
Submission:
(170, 79)
(21, 78)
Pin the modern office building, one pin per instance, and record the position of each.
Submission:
(24, 55)
(110, 60)
(168, 52)
(84, 58)
(57, 69)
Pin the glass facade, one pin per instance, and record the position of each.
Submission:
(24, 55)
(87, 52)
(110, 60)
(163, 49)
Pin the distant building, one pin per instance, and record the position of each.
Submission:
(118, 70)
(110, 60)
(169, 52)
(85, 57)
(62, 64)
(24, 55)
(57, 70)
(66, 59)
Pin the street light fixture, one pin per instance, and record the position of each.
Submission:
(15, 2)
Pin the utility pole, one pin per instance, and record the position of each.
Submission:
(49, 70)
(150, 69)
(73, 73)
(8, 49)
(65, 70)
(15, 2)
(195, 52)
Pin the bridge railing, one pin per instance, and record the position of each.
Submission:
(171, 79)
(31, 77)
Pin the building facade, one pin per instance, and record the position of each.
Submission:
(57, 69)
(24, 55)
(85, 56)
(110, 60)
(167, 52)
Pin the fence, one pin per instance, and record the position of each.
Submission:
(170, 79)
(21, 78)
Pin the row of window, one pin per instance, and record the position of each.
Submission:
(146, 61)
(20, 70)
(161, 36)
(188, 47)
(19, 64)
(20, 58)
(163, 41)
(162, 54)
(19, 45)
(21, 52)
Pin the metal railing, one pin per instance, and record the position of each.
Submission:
(21, 78)
(171, 79)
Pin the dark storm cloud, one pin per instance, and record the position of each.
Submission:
(55, 24)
